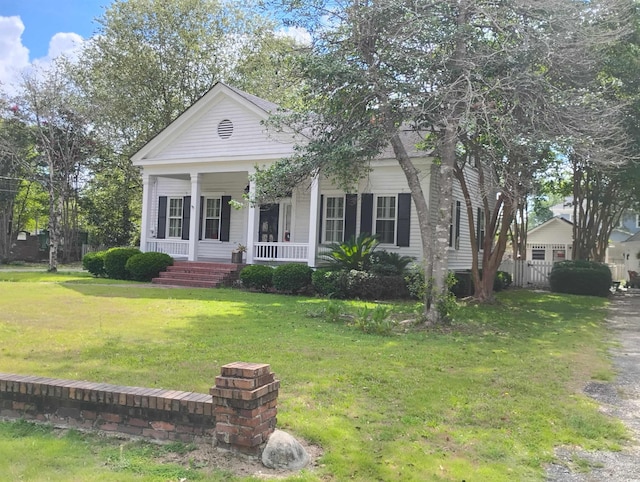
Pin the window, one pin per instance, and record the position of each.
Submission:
(212, 218)
(175, 217)
(334, 224)
(480, 222)
(537, 254)
(454, 227)
(386, 219)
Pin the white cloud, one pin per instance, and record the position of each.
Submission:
(299, 34)
(14, 56)
(68, 44)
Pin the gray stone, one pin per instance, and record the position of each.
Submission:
(284, 452)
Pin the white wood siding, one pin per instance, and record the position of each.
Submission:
(461, 258)
(201, 140)
(224, 184)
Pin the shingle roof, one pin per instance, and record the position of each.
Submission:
(258, 101)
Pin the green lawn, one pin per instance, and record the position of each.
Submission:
(485, 399)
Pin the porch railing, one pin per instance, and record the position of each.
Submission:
(170, 247)
(281, 252)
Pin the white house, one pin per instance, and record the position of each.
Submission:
(204, 159)
(550, 241)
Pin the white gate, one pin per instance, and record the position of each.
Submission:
(528, 274)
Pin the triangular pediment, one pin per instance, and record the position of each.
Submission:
(225, 124)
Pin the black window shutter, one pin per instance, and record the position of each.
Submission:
(350, 215)
(478, 242)
(321, 219)
(225, 218)
(456, 244)
(201, 216)
(404, 219)
(186, 216)
(162, 217)
(366, 213)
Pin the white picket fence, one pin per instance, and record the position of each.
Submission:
(535, 274)
(528, 274)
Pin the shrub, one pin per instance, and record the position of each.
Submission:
(115, 261)
(257, 276)
(414, 280)
(328, 282)
(580, 277)
(502, 281)
(370, 286)
(389, 263)
(146, 266)
(292, 277)
(94, 263)
(352, 254)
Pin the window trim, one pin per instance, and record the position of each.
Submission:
(179, 217)
(206, 198)
(393, 219)
(326, 218)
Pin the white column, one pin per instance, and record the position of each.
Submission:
(314, 215)
(147, 192)
(194, 223)
(251, 222)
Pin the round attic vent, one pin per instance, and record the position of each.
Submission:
(225, 129)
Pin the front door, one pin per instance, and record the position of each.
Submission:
(268, 230)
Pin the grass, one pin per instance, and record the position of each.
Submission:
(485, 398)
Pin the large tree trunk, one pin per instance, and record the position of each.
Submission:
(434, 276)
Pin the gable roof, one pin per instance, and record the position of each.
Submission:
(554, 219)
(261, 107)
(265, 105)
(630, 239)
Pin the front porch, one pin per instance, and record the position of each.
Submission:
(204, 217)
(261, 251)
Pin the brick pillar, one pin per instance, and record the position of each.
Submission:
(245, 401)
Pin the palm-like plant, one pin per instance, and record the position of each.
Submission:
(355, 253)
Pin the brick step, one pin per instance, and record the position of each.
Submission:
(202, 264)
(197, 270)
(193, 283)
(198, 274)
(194, 276)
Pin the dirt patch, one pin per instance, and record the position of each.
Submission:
(208, 458)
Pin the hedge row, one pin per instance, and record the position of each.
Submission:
(580, 277)
(126, 264)
(297, 278)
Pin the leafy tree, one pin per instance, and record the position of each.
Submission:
(459, 74)
(65, 147)
(148, 62)
(16, 152)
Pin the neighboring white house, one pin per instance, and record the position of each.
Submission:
(550, 241)
(204, 159)
(630, 248)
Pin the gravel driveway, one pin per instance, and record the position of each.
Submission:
(620, 399)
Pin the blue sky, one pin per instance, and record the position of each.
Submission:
(44, 18)
(33, 32)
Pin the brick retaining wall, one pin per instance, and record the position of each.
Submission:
(239, 414)
(146, 412)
